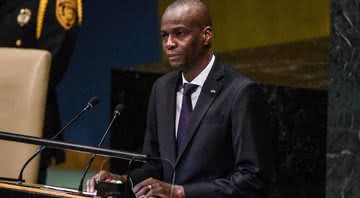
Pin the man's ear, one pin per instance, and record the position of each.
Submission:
(207, 35)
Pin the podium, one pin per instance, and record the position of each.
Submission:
(33, 191)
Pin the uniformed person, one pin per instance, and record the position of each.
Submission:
(43, 24)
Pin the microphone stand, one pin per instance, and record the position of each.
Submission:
(92, 102)
(116, 114)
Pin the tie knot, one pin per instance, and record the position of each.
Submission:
(189, 88)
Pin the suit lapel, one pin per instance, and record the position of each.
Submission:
(210, 90)
(170, 114)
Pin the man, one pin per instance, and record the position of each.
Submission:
(43, 24)
(220, 145)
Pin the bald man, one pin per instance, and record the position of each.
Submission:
(206, 119)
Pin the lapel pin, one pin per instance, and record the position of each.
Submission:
(212, 91)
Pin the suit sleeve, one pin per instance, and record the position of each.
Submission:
(251, 141)
(151, 148)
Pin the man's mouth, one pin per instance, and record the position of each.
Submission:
(174, 56)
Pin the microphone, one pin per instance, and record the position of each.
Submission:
(90, 105)
(117, 111)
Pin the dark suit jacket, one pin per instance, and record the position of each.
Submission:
(227, 150)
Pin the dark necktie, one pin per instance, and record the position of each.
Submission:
(185, 114)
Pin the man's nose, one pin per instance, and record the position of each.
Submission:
(170, 43)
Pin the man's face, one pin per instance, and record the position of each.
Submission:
(181, 37)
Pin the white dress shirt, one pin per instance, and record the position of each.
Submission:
(198, 80)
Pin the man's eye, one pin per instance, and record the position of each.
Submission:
(180, 33)
(164, 35)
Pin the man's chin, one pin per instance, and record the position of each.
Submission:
(176, 64)
(179, 65)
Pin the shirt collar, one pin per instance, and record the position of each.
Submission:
(200, 78)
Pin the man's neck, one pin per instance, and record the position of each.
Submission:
(198, 68)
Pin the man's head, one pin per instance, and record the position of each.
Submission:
(186, 33)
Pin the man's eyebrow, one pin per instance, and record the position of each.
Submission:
(174, 29)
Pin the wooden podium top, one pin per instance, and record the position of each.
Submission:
(37, 189)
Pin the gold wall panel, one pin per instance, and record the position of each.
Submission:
(252, 23)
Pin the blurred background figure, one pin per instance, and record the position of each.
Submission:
(51, 25)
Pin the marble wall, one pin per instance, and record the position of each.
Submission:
(298, 123)
(343, 134)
